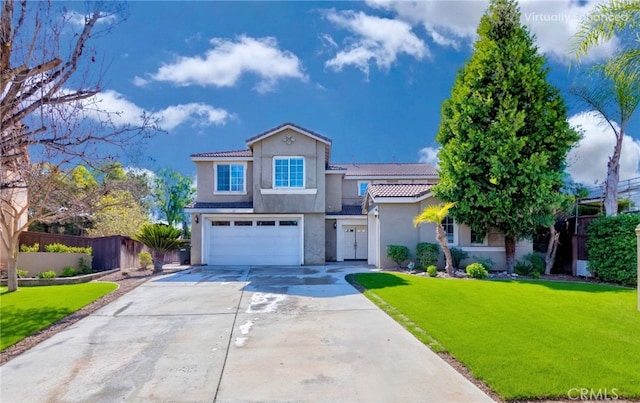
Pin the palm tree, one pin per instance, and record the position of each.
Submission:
(617, 18)
(160, 238)
(435, 214)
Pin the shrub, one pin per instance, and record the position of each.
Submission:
(61, 248)
(611, 247)
(68, 272)
(432, 271)
(398, 253)
(531, 265)
(487, 262)
(427, 253)
(457, 256)
(22, 273)
(477, 270)
(47, 274)
(33, 248)
(83, 266)
(145, 259)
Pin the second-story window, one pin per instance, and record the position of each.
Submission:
(230, 178)
(288, 172)
(362, 187)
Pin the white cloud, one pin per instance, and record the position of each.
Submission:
(139, 81)
(378, 40)
(587, 163)
(429, 155)
(450, 22)
(228, 60)
(79, 20)
(123, 112)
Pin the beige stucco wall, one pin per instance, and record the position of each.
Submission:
(314, 238)
(312, 151)
(38, 262)
(330, 240)
(196, 239)
(206, 183)
(333, 197)
(396, 228)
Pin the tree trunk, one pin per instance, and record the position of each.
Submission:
(158, 261)
(613, 177)
(552, 247)
(442, 239)
(510, 252)
(12, 272)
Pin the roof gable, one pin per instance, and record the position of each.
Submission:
(291, 126)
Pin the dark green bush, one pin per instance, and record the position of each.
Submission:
(531, 265)
(68, 272)
(427, 253)
(83, 267)
(477, 270)
(47, 274)
(457, 256)
(611, 247)
(432, 271)
(398, 253)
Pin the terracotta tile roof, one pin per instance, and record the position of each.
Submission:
(348, 210)
(277, 128)
(219, 205)
(235, 153)
(388, 169)
(398, 190)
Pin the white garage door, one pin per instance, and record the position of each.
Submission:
(264, 241)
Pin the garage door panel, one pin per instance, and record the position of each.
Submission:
(256, 245)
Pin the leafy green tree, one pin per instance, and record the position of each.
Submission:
(616, 18)
(118, 213)
(504, 134)
(160, 238)
(172, 193)
(435, 215)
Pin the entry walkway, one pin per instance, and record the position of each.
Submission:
(237, 334)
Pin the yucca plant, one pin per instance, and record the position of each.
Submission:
(160, 239)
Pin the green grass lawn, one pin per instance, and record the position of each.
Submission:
(30, 309)
(524, 339)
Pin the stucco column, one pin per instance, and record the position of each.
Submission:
(638, 264)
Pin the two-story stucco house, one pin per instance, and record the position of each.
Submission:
(282, 201)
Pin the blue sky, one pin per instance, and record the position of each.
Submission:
(369, 75)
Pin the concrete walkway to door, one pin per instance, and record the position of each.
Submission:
(237, 334)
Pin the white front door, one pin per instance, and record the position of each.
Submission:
(355, 242)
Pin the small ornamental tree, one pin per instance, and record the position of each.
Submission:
(160, 238)
(504, 134)
(435, 215)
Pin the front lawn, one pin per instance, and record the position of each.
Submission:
(30, 309)
(524, 339)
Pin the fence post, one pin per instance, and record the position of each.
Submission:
(638, 263)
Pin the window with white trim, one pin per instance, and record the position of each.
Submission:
(449, 229)
(362, 187)
(230, 178)
(288, 172)
(478, 238)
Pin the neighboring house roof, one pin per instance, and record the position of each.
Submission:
(234, 154)
(288, 125)
(348, 210)
(386, 170)
(398, 190)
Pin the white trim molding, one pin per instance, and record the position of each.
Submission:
(288, 191)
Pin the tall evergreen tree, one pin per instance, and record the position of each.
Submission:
(504, 134)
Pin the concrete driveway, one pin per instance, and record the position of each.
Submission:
(237, 334)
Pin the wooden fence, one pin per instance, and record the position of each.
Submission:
(109, 252)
